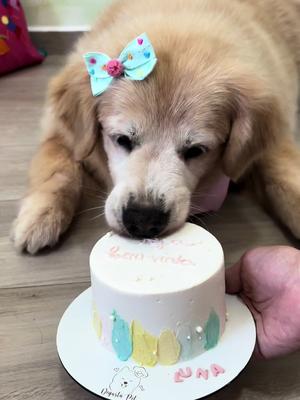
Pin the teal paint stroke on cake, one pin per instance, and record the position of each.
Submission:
(121, 337)
(212, 331)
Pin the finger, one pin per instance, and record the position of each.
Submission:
(257, 354)
(233, 278)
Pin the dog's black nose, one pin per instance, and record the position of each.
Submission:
(144, 222)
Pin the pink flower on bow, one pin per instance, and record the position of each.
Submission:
(114, 68)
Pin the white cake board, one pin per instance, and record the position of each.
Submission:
(99, 371)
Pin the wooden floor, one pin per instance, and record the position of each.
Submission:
(34, 291)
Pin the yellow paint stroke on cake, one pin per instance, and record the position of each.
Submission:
(97, 322)
(168, 348)
(144, 345)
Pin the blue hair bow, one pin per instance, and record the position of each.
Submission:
(135, 62)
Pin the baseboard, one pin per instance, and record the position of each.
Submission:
(57, 28)
(55, 42)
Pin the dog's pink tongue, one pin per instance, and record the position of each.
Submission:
(212, 197)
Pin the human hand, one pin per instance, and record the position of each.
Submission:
(268, 281)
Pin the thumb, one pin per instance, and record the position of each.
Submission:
(233, 278)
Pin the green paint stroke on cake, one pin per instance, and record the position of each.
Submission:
(121, 337)
(212, 331)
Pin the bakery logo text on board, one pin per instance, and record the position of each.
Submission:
(126, 383)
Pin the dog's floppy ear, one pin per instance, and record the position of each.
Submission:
(255, 120)
(74, 109)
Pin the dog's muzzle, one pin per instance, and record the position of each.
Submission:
(144, 222)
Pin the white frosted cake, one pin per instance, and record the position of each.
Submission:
(159, 301)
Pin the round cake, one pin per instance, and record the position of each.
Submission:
(159, 301)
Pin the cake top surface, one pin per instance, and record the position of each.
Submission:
(178, 262)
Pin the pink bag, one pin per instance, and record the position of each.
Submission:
(16, 49)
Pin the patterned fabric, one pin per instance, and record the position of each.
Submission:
(16, 49)
(135, 62)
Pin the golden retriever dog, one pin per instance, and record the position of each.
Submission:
(222, 97)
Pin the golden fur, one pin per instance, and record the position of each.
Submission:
(229, 67)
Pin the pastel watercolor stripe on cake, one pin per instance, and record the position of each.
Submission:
(190, 340)
(144, 345)
(121, 337)
(184, 336)
(97, 322)
(212, 331)
(168, 348)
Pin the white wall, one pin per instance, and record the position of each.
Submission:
(62, 14)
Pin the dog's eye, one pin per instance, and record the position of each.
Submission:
(125, 142)
(194, 152)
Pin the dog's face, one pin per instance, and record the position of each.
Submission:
(166, 136)
(159, 148)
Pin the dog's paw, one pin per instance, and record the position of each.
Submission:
(40, 222)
